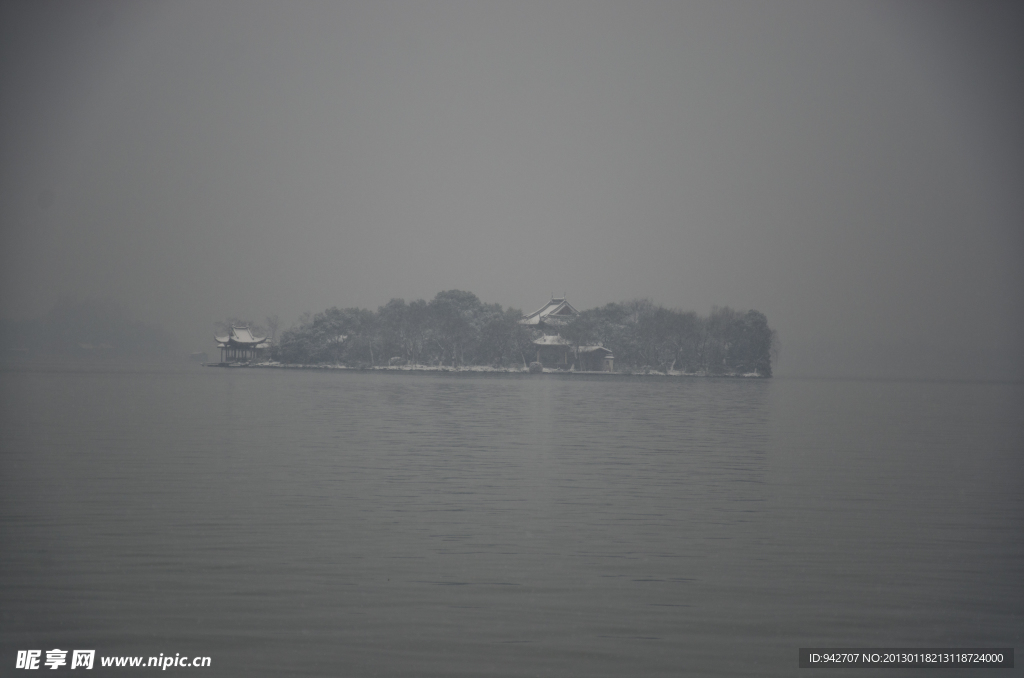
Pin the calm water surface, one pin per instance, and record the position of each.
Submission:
(357, 524)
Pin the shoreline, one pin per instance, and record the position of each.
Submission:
(477, 369)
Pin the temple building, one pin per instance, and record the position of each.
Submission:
(240, 346)
(556, 312)
(554, 351)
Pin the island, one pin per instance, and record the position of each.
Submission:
(457, 331)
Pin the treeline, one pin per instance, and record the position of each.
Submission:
(643, 335)
(455, 328)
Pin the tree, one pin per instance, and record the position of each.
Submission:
(716, 339)
(418, 323)
(332, 336)
(273, 323)
(503, 340)
(393, 323)
(579, 331)
(684, 336)
(750, 344)
(452, 313)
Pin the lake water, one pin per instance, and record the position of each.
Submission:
(309, 523)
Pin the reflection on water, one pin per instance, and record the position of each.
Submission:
(303, 523)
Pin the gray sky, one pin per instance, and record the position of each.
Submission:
(854, 170)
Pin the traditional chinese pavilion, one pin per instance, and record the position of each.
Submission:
(240, 346)
(554, 351)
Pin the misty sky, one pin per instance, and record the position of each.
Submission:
(854, 170)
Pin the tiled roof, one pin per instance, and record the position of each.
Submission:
(557, 307)
(241, 336)
(595, 349)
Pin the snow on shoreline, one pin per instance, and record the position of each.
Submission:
(473, 368)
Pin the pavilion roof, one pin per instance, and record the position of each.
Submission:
(241, 336)
(557, 308)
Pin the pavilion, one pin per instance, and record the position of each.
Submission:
(554, 351)
(240, 346)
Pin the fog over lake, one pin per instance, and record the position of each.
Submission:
(844, 177)
(852, 170)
